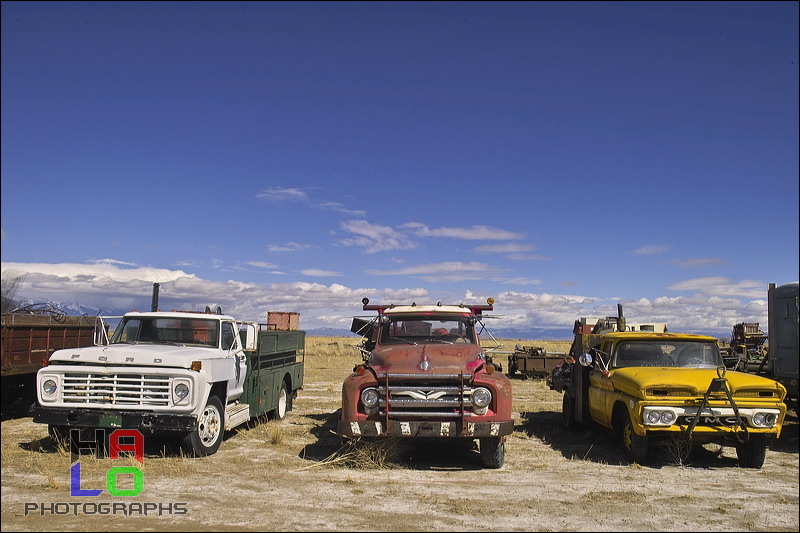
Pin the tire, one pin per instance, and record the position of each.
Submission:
(568, 412)
(207, 436)
(512, 366)
(284, 403)
(635, 446)
(493, 451)
(752, 453)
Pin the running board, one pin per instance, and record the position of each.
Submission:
(236, 414)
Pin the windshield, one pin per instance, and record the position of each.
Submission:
(422, 330)
(685, 354)
(167, 331)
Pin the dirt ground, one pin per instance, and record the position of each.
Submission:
(293, 475)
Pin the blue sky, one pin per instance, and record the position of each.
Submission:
(560, 157)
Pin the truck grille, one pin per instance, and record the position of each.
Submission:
(424, 395)
(116, 389)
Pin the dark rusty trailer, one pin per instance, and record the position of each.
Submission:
(533, 361)
(28, 339)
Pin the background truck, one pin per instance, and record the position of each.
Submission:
(746, 349)
(784, 350)
(535, 361)
(425, 375)
(192, 375)
(532, 361)
(779, 357)
(661, 388)
(27, 340)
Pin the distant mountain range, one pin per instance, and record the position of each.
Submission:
(548, 334)
(544, 334)
(500, 333)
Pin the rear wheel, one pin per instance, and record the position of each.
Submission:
(635, 445)
(493, 451)
(752, 453)
(279, 413)
(568, 412)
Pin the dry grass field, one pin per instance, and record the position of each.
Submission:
(295, 475)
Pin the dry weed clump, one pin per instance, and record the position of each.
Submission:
(677, 450)
(366, 454)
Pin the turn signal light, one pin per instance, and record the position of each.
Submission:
(196, 366)
(360, 370)
(490, 369)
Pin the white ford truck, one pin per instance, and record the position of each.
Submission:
(190, 374)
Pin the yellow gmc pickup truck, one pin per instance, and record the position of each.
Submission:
(657, 388)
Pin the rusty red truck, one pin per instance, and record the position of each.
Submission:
(27, 340)
(425, 375)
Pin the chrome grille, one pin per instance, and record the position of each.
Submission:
(424, 395)
(115, 389)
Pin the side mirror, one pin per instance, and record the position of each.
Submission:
(251, 337)
(585, 359)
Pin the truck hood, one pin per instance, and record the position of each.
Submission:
(636, 381)
(427, 358)
(135, 355)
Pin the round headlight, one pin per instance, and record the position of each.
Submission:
(758, 419)
(770, 419)
(653, 417)
(181, 391)
(49, 386)
(667, 417)
(481, 397)
(370, 398)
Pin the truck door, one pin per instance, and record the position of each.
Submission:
(232, 347)
(601, 388)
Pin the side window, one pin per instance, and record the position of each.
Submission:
(227, 336)
(605, 351)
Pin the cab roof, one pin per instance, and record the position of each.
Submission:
(650, 336)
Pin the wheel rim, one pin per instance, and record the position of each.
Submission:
(282, 403)
(627, 435)
(209, 425)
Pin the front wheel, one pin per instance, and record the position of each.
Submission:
(206, 437)
(493, 451)
(635, 445)
(752, 453)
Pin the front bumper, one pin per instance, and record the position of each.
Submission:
(417, 429)
(108, 418)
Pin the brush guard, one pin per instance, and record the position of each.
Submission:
(720, 384)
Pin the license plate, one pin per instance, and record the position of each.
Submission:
(111, 421)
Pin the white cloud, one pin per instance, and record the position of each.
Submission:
(651, 249)
(506, 248)
(373, 238)
(288, 247)
(336, 206)
(438, 272)
(280, 194)
(320, 273)
(721, 286)
(471, 233)
(699, 262)
(712, 305)
(261, 264)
